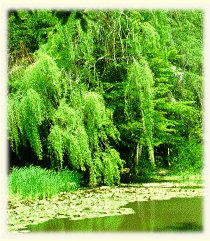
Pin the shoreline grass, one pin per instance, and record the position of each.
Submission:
(38, 183)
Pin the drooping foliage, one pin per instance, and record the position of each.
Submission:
(105, 86)
(139, 102)
(80, 125)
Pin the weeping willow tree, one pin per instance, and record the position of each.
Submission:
(50, 106)
(139, 103)
(139, 92)
(80, 125)
(37, 92)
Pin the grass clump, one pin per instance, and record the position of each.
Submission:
(38, 183)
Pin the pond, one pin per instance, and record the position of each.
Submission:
(175, 215)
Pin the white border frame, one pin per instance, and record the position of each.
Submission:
(101, 4)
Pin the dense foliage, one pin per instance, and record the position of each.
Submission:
(96, 91)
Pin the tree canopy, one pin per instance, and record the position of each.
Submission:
(98, 90)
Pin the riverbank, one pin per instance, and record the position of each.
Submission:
(95, 202)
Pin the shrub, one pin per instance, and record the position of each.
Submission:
(189, 157)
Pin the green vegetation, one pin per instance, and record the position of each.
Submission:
(37, 183)
(189, 158)
(96, 91)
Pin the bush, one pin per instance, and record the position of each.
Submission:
(189, 158)
(35, 182)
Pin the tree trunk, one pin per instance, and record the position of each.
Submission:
(149, 143)
(138, 153)
(151, 155)
(137, 156)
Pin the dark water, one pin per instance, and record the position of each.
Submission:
(177, 215)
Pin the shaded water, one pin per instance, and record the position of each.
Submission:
(176, 214)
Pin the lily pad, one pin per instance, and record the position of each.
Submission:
(87, 203)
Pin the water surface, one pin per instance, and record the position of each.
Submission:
(176, 214)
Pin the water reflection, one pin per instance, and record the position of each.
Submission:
(180, 214)
(182, 227)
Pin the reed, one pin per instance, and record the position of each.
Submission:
(38, 183)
